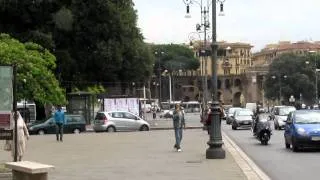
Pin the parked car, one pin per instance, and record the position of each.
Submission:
(167, 113)
(302, 129)
(242, 118)
(230, 113)
(119, 121)
(279, 115)
(74, 124)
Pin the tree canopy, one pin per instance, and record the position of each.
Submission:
(297, 77)
(173, 57)
(35, 65)
(93, 41)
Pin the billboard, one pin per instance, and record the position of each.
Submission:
(122, 104)
(6, 95)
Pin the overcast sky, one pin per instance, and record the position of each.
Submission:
(258, 22)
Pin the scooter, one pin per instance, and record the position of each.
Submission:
(261, 130)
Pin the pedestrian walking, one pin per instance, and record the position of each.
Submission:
(178, 125)
(59, 121)
(154, 115)
(22, 137)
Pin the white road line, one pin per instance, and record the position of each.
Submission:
(249, 168)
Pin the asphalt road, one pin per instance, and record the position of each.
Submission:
(274, 159)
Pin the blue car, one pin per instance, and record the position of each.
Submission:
(302, 129)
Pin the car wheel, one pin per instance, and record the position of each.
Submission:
(111, 129)
(144, 128)
(41, 132)
(287, 145)
(76, 131)
(234, 127)
(295, 147)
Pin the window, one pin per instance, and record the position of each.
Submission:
(129, 116)
(117, 115)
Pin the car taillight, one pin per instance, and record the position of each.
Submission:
(105, 120)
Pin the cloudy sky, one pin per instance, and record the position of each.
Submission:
(257, 22)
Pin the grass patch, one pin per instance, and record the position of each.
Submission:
(3, 169)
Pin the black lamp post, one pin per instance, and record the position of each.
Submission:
(24, 102)
(215, 150)
(159, 69)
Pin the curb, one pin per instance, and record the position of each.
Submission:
(170, 128)
(5, 176)
(248, 167)
(159, 128)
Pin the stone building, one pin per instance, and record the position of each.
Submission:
(233, 60)
(262, 59)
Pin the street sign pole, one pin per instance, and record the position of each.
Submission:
(15, 113)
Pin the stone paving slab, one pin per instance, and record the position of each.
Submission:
(129, 155)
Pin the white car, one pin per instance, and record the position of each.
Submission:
(119, 121)
(167, 113)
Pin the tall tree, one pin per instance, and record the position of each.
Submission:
(297, 77)
(35, 65)
(96, 40)
(174, 57)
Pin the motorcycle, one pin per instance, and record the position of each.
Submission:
(261, 128)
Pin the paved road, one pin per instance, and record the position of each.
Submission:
(275, 160)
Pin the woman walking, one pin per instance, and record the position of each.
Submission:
(178, 124)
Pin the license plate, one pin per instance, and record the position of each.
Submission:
(315, 138)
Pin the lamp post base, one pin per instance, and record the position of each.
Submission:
(215, 153)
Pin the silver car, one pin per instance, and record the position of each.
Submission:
(119, 121)
(242, 118)
(279, 116)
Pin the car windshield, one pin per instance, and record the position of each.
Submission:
(232, 110)
(285, 111)
(308, 118)
(244, 113)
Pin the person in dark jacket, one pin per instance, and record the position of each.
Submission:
(209, 116)
(178, 125)
(59, 121)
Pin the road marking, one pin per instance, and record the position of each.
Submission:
(249, 168)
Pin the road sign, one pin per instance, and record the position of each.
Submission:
(6, 134)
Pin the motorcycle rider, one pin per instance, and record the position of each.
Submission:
(256, 119)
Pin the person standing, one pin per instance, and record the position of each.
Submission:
(60, 121)
(23, 136)
(178, 125)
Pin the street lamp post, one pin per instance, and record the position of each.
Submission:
(316, 77)
(280, 85)
(24, 102)
(215, 150)
(159, 69)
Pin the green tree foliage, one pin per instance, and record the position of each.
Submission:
(174, 57)
(34, 64)
(300, 77)
(96, 40)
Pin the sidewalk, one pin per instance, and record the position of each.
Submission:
(133, 155)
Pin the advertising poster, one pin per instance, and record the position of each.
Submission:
(122, 104)
(6, 95)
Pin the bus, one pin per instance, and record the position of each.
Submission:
(191, 107)
(27, 110)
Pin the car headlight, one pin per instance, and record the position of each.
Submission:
(301, 131)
